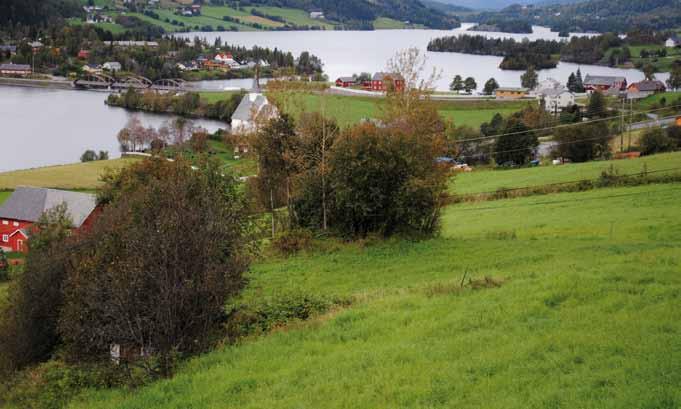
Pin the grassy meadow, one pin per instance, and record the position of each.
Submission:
(74, 176)
(490, 180)
(580, 311)
(4, 194)
(349, 110)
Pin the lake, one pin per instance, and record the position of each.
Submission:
(41, 127)
(347, 52)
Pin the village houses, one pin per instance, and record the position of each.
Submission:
(603, 83)
(15, 70)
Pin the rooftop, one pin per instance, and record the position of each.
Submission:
(602, 79)
(29, 203)
(15, 67)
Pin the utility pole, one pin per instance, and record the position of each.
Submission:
(622, 127)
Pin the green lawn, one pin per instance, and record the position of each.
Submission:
(4, 194)
(648, 102)
(491, 180)
(213, 97)
(295, 16)
(349, 110)
(74, 176)
(586, 317)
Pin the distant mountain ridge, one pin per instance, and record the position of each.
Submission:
(413, 11)
(595, 15)
(500, 4)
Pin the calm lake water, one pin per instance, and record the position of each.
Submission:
(40, 127)
(348, 52)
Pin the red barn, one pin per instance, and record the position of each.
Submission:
(345, 82)
(382, 81)
(25, 206)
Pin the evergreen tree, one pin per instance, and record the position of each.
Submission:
(530, 78)
(470, 85)
(490, 86)
(596, 108)
(579, 83)
(457, 84)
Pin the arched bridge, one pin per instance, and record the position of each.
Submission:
(105, 81)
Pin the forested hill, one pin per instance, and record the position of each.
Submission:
(31, 12)
(598, 15)
(352, 11)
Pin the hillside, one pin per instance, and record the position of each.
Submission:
(578, 311)
(597, 15)
(36, 11)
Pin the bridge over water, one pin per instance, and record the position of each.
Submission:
(108, 82)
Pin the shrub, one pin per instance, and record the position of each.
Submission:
(28, 326)
(167, 252)
(4, 266)
(293, 241)
(88, 156)
(656, 141)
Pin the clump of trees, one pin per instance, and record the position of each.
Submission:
(584, 142)
(658, 140)
(91, 156)
(188, 104)
(517, 55)
(152, 275)
(370, 178)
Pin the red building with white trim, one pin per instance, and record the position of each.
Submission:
(26, 205)
(382, 81)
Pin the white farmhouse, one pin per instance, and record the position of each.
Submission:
(555, 100)
(673, 41)
(254, 108)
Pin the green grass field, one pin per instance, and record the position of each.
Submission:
(350, 110)
(213, 97)
(586, 316)
(296, 16)
(491, 180)
(74, 176)
(4, 194)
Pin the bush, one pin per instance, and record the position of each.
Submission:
(28, 326)
(385, 181)
(656, 141)
(293, 241)
(88, 156)
(4, 266)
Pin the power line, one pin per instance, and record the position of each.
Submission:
(527, 149)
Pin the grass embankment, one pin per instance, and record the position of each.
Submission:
(4, 194)
(586, 316)
(74, 176)
(350, 110)
(490, 180)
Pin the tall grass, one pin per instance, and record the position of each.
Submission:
(585, 314)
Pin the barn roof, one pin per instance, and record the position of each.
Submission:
(602, 80)
(29, 203)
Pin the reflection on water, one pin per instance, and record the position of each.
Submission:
(40, 127)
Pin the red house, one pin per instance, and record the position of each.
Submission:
(345, 82)
(382, 81)
(25, 206)
(83, 54)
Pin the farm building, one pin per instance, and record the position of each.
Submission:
(345, 82)
(15, 70)
(382, 81)
(511, 93)
(604, 83)
(27, 204)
